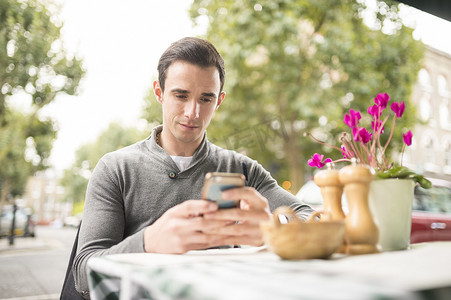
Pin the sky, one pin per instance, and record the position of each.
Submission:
(120, 43)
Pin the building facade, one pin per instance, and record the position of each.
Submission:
(44, 196)
(430, 153)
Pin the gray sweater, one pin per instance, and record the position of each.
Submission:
(131, 188)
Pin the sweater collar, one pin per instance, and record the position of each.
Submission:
(200, 153)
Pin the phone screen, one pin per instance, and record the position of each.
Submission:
(215, 183)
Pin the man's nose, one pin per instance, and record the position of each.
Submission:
(192, 109)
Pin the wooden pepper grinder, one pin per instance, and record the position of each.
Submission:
(362, 233)
(331, 190)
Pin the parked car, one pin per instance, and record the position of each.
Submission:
(73, 221)
(431, 215)
(310, 194)
(24, 223)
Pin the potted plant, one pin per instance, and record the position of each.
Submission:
(391, 193)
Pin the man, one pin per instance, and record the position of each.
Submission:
(145, 197)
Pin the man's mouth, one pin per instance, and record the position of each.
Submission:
(188, 126)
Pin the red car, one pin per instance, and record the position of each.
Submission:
(431, 216)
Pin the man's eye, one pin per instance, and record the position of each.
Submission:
(206, 100)
(181, 96)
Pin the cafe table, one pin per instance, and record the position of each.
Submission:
(421, 272)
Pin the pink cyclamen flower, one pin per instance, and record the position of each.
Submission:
(377, 125)
(353, 118)
(317, 161)
(407, 138)
(382, 100)
(364, 136)
(375, 111)
(398, 108)
(355, 133)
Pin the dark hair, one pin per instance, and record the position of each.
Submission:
(195, 51)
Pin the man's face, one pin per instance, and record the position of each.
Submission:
(191, 96)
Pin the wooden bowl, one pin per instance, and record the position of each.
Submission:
(302, 240)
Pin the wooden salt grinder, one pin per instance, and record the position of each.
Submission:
(362, 233)
(331, 190)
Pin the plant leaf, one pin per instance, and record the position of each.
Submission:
(402, 172)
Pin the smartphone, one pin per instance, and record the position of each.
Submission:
(217, 182)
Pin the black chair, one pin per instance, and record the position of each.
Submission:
(69, 292)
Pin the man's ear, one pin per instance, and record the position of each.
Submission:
(158, 92)
(220, 99)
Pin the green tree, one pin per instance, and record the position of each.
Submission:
(32, 61)
(75, 179)
(295, 66)
(153, 111)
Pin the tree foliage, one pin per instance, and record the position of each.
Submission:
(32, 61)
(75, 179)
(296, 66)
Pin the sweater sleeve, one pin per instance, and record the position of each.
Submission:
(266, 185)
(103, 225)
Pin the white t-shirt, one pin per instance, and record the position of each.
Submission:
(182, 161)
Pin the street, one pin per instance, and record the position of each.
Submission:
(34, 268)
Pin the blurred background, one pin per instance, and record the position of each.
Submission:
(76, 75)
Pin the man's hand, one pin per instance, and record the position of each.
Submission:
(253, 209)
(198, 224)
(182, 228)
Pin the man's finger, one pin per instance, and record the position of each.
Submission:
(250, 195)
(245, 228)
(192, 208)
(200, 240)
(202, 224)
(239, 215)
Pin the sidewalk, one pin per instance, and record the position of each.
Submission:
(24, 244)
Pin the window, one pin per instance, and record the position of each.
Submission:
(445, 120)
(425, 107)
(429, 147)
(437, 199)
(424, 78)
(447, 155)
(442, 85)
